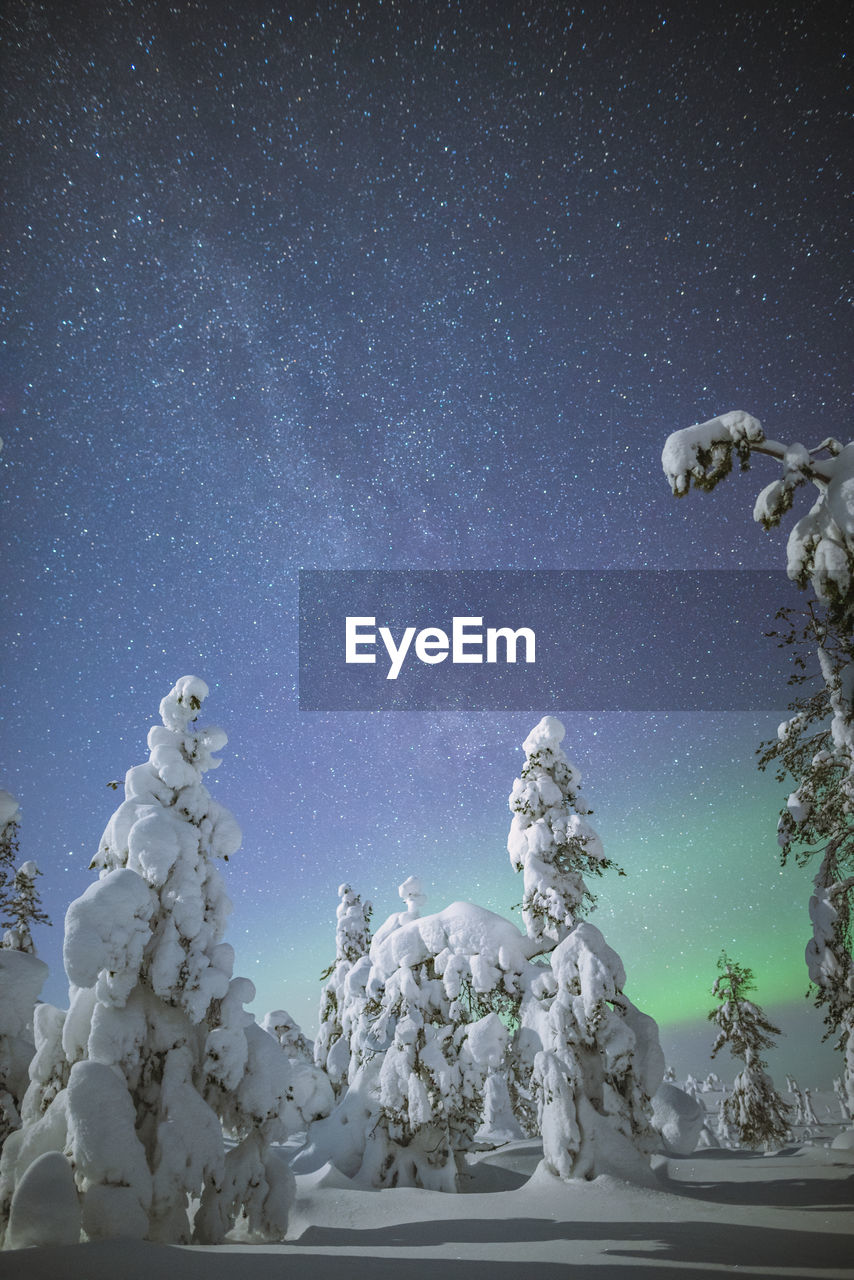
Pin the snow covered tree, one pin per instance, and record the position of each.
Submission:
(310, 1094)
(842, 1099)
(289, 1034)
(815, 746)
(10, 820)
(435, 1005)
(23, 910)
(551, 842)
(20, 904)
(432, 1061)
(593, 1060)
(419, 1060)
(22, 974)
(597, 1062)
(156, 1055)
(755, 1110)
(352, 940)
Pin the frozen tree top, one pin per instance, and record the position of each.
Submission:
(462, 929)
(183, 703)
(10, 810)
(548, 733)
(414, 897)
(412, 894)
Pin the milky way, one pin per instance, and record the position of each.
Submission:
(392, 286)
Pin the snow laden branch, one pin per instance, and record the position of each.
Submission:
(821, 545)
(815, 746)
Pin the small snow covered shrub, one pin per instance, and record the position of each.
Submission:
(156, 1055)
(679, 1118)
(310, 1093)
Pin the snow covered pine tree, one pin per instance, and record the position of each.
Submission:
(133, 1086)
(352, 939)
(594, 1060)
(755, 1110)
(816, 745)
(22, 974)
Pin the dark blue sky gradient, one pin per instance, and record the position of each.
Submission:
(402, 286)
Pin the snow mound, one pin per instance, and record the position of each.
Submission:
(678, 1118)
(844, 1141)
(45, 1207)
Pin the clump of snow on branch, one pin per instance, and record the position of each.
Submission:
(156, 1055)
(820, 548)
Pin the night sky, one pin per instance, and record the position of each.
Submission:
(417, 285)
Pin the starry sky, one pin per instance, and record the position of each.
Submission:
(403, 285)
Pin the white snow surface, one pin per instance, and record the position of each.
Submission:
(45, 1208)
(716, 1213)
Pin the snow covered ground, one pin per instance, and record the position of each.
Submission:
(716, 1213)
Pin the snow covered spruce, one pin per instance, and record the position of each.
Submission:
(419, 1060)
(815, 746)
(132, 1088)
(22, 974)
(594, 1059)
(454, 1032)
(754, 1109)
(352, 938)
